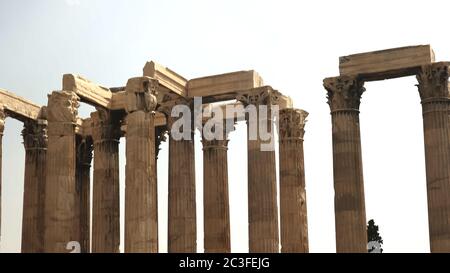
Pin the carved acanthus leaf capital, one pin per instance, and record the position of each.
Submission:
(105, 126)
(141, 94)
(433, 81)
(63, 107)
(34, 134)
(259, 96)
(167, 105)
(216, 137)
(344, 92)
(169, 102)
(215, 132)
(292, 123)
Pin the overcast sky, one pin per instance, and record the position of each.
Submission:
(292, 44)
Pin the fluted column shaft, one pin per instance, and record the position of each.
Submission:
(344, 94)
(182, 227)
(262, 188)
(293, 213)
(262, 199)
(434, 92)
(141, 223)
(105, 210)
(215, 193)
(62, 217)
(83, 180)
(35, 142)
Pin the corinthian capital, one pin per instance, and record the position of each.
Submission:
(292, 124)
(35, 134)
(433, 81)
(63, 106)
(141, 94)
(344, 92)
(169, 102)
(260, 96)
(105, 126)
(215, 133)
(181, 107)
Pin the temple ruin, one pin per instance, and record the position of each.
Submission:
(344, 96)
(61, 148)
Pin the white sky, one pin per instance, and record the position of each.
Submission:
(292, 44)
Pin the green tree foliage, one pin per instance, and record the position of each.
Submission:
(373, 238)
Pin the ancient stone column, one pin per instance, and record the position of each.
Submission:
(2, 128)
(293, 214)
(262, 188)
(83, 180)
(62, 218)
(141, 223)
(215, 191)
(35, 142)
(344, 94)
(182, 227)
(105, 210)
(435, 96)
